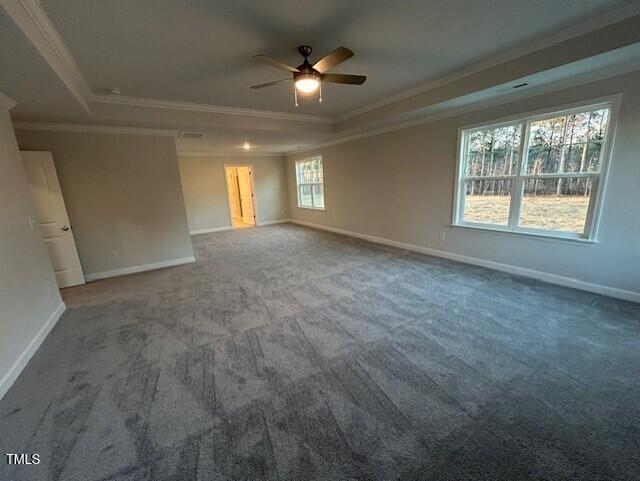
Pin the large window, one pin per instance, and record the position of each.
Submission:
(538, 175)
(310, 181)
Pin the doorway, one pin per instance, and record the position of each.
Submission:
(240, 193)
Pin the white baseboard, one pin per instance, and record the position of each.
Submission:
(10, 377)
(209, 231)
(228, 227)
(498, 266)
(134, 269)
(271, 222)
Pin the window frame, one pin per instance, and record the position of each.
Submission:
(298, 184)
(599, 179)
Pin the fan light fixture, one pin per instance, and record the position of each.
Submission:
(308, 78)
(307, 84)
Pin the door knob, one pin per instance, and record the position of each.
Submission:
(65, 228)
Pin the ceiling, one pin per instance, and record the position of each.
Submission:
(29, 79)
(260, 141)
(186, 64)
(200, 50)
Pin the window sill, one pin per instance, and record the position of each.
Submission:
(311, 208)
(531, 235)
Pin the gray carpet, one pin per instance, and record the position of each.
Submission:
(292, 354)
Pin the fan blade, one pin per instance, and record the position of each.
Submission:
(336, 57)
(269, 84)
(338, 78)
(275, 63)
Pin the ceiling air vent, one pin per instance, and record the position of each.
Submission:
(190, 134)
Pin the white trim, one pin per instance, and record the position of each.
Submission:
(571, 107)
(611, 102)
(498, 266)
(309, 207)
(583, 28)
(98, 129)
(228, 227)
(32, 20)
(312, 184)
(209, 231)
(142, 268)
(541, 235)
(7, 102)
(405, 124)
(14, 371)
(271, 222)
(511, 97)
(216, 109)
(230, 155)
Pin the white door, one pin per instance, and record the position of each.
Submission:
(246, 195)
(52, 215)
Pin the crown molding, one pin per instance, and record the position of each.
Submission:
(229, 155)
(96, 129)
(32, 20)
(608, 18)
(595, 76)
(7, 102)
(217, 109)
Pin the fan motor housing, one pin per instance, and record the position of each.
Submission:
(307, 72)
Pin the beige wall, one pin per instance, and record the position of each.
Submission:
(28, 291)
(123, 196)
(399, 186)
(205, 191)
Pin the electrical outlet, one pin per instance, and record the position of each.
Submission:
(441, 235)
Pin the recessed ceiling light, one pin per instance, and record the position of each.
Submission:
(115, 91)
(246, 146)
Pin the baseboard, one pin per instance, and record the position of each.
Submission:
(498, 266)
(209, 231)
(228, 227)
(271, 222)
(135, 269)
(10, 377)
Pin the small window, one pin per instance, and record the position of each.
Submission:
(310, 182)
(536, 175)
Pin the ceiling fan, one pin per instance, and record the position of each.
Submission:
(308, 78)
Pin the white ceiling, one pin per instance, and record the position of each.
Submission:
(200, 50)
(261, 141)
(186, 64)
(26, 76)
